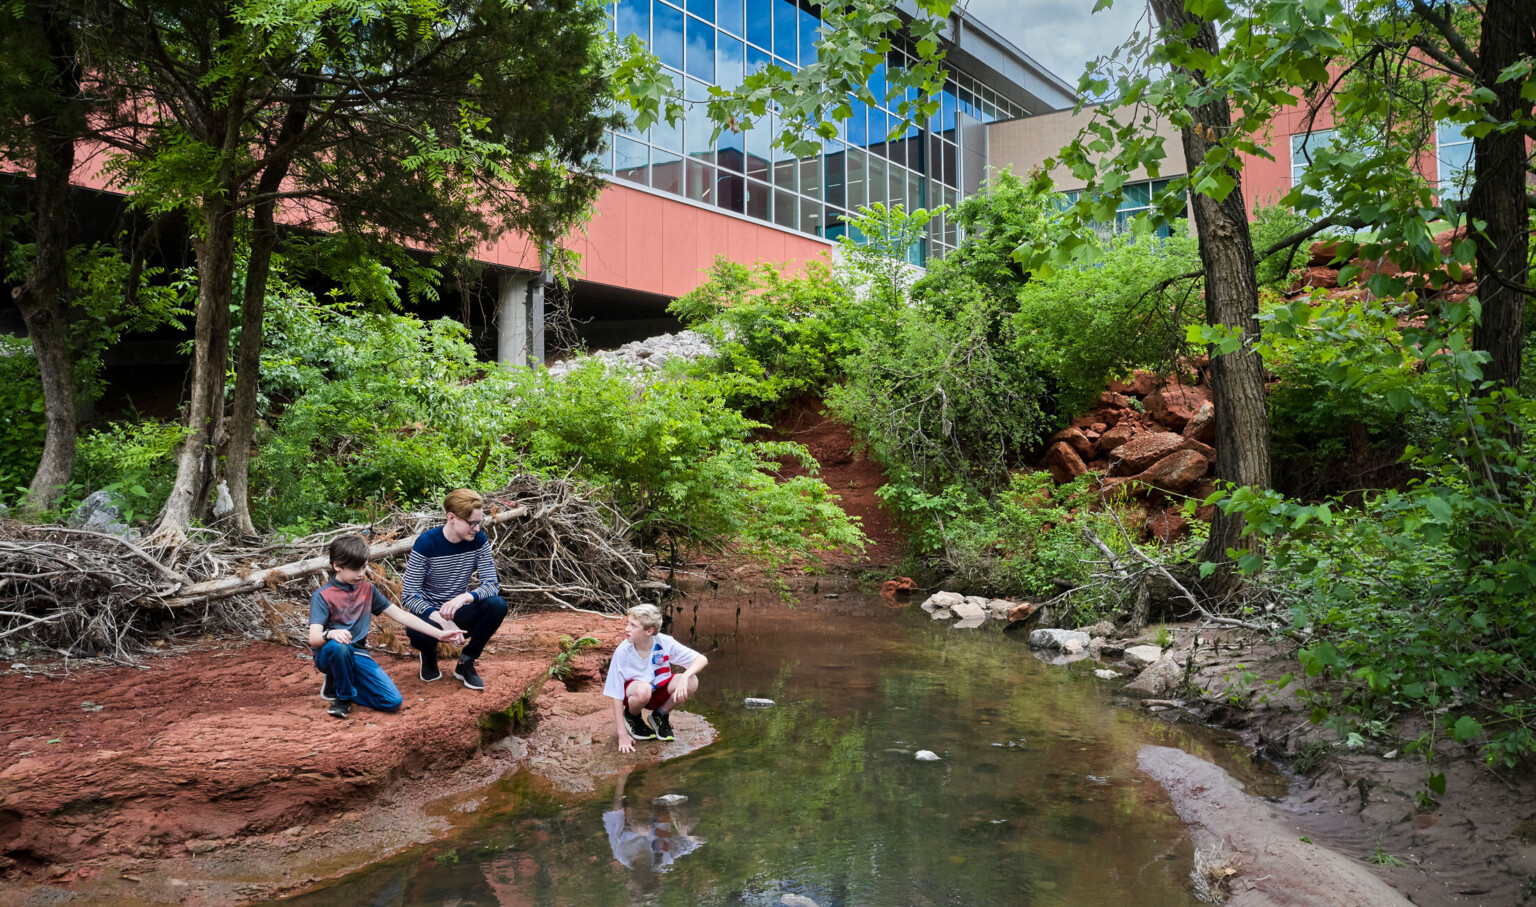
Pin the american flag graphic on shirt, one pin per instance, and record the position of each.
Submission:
(661, 666)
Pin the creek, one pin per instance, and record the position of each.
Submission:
(1035, 798)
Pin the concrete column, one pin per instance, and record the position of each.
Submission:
(512, 327)
(536, 317)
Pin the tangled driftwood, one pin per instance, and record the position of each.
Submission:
(85, 592)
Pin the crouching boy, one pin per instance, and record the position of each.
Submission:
(640, 677)
(339, 616)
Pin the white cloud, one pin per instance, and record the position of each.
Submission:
(1061, 35)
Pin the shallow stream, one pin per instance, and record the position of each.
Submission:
(1035, 798)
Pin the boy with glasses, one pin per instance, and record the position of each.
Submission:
(436, 586)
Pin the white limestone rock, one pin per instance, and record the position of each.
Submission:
(1058, 639)
(1143, 656)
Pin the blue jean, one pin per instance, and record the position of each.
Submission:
(357, 676)
(479, 620)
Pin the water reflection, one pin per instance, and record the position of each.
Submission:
(649, 838)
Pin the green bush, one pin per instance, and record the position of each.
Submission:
(22, 424)
(136, 460)
(779, 336)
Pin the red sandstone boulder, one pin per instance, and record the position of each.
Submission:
(1077, 440)
(1168, 526)
(1098, 428)
(1142, 451)
(1202, 425)
(1116, 436)
(1204, 450)
(1063, 463)
(1179, 471)
(1113, 400)
(1175, 404)
(1021, 611)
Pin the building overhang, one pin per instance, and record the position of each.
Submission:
(975, 48)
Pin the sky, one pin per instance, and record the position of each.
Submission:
(1061, 35)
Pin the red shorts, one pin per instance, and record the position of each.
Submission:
(660, 695)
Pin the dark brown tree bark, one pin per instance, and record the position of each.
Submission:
(1498, 195)
(41, 295)
(1231, 299)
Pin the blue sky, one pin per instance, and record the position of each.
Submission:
(1060, 34)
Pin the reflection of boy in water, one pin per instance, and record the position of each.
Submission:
(653, 844)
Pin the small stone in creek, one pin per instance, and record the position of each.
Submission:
(670, 800)
(757, 703)
(927, 756)
(1105, 674)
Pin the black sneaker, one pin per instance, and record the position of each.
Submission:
(429, 669)
(465, 671)
(328, 688)
(662, 722)
(639, 729)
(341, 708)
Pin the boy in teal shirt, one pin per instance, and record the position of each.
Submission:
(340, 613)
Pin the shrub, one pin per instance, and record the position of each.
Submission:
(780, 336)
(135, 460)
(22, 425)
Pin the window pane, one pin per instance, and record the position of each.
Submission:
(1304, 146)
(731, 150)
(951, 167)
(858, 177)
(836, 162)
(635, 19)
(1455, 170)
(810, 218)
(858, 125)
(698, 127)
(898, 150)
(785, 211)
(875, 190)
(915, 197)
(759, 138)
(667, 35)
(731, 192)
(808, 25)
(758, 200)
(784, 174)
(878, 129)
(877, 87)
(630, 159)
(732, 62)
(1136, 195)
(668, 135)
(729, 16)
(757, 60)
(704, 9)
(898, 188)
(810, 177)
(701, 182)
(701, 50)
(1450, 134)
(785, 19)
(760, 23)
(667, 172)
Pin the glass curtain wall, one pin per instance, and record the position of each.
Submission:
(719, 42)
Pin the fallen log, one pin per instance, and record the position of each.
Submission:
(266, 578)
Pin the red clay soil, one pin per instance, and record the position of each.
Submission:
(850, 475)
(232, 740)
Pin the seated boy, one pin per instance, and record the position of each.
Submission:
(339, 615)
(640, 677)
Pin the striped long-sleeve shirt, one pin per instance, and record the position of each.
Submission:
(438, 569)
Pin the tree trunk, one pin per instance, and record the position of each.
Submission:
(196, 460)
(242, 427)
(1231, 299)
(40, 296)
(1499, 192)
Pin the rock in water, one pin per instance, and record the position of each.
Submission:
(751, 703)
(1143, 656)
(942, 601)
(670, 800)
(968, 624)
(1058, 639)
(797, 900)
(927, 756)
(970, 610)
(1159, 681)
(1105, 674)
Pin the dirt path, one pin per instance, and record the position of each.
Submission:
(210, 771)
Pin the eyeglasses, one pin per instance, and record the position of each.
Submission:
(473, 524)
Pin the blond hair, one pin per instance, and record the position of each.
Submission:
(646, 616)
(462, 502)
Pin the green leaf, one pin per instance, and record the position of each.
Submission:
(1436, 783)
(1466, 728)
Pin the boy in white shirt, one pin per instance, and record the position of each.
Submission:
(640, 677)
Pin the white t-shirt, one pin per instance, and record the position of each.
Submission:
(655, 667)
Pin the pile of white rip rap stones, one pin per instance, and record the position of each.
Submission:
(645, 355)
(1159, 674)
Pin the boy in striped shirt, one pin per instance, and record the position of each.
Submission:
(436, 586)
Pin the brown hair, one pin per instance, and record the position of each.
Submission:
(349, 551)
(462, 502)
